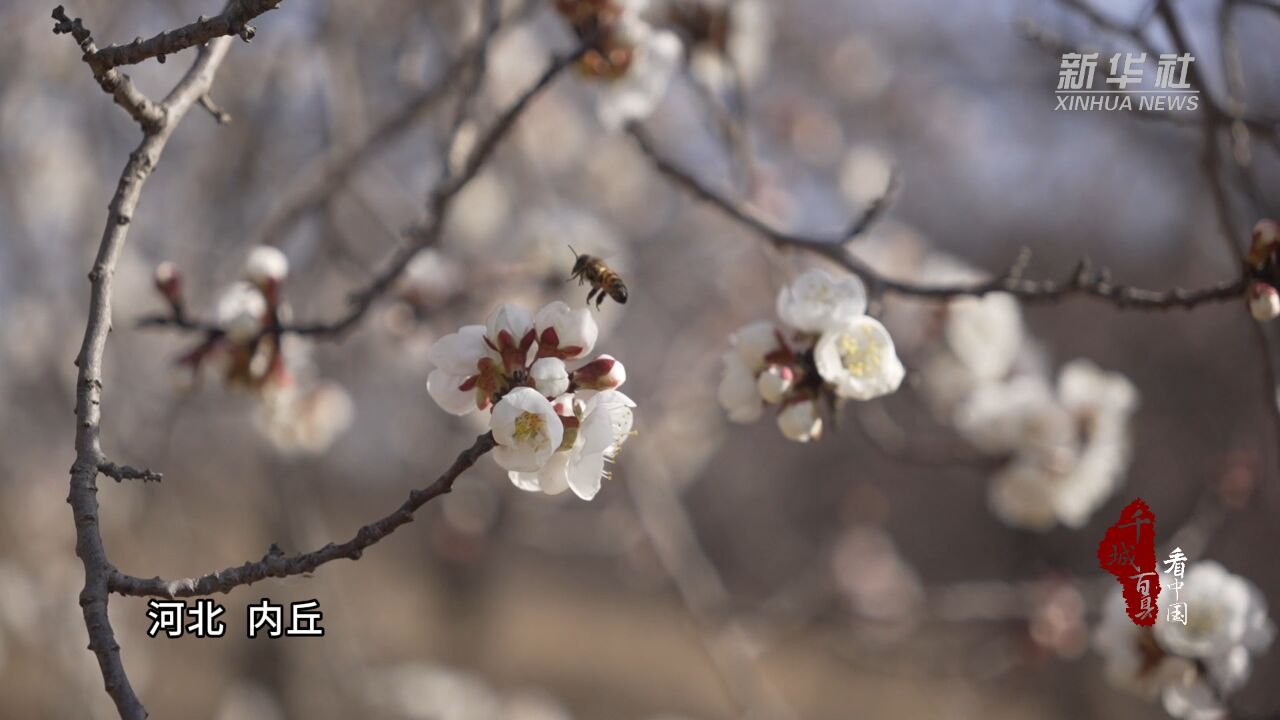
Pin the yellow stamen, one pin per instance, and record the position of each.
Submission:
(529, 427)
(860, 358)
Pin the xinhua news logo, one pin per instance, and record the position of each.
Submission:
(1124, 85)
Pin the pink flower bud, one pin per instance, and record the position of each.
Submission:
(603, 373)
(168, 281)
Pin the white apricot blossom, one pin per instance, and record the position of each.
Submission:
(983, 339)
(554, 427)
(632, 61)
(816, 301)
(241, 312)
(986, 334)
(605, 422)
(1226, 623)
(1190, 666)
(527, 430)
(460, 359)
(1068, 447)
(509, 329)
(739, 393)
(824, 348)
(296, 410)
(858, 360)
(304, 420)
(636, 93)
(728, 40)
(755, 342)
(565, 333)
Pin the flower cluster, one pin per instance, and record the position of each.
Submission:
(1191, 666)
(1264, 266)
(246, 347)
(633, 60)
(297, 411)
(1068, 446)
(1066, 440)
(825, 347)
(556, 416)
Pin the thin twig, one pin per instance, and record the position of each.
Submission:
(422, 236)
(337, 168)
(1083, 280)
(234, 20)
(115, 83)
(276, 565)
(120, 473)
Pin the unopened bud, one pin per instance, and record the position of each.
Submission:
(775, 382)
(1266, 239)
(800, 421)
(1264, 302)
(168, 281)
(265, 266)
(603, 373)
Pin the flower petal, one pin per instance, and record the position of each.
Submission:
(458, 353)
(444, 389)
(738, 392)
(816, 301)
(585, 475)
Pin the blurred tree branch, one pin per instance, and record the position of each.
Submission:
(1083, 280)
(421, 237)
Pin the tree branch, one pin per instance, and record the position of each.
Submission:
(234, 20)
(158, 123)
(1084, 279)
(421, 237)
(276, 565)
(115, 83)
(120, 473)
(339, 165)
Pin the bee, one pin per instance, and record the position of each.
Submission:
(604, 281)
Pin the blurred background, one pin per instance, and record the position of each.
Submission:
(723, 572)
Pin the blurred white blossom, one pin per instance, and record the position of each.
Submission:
(240, 312)
(800, 421)
(816, 301)
(728, 41)
(266, 265)
(1068, 447)
(1192, 667)
(632, 60)
(858, 360)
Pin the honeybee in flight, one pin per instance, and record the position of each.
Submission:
(604, 281)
